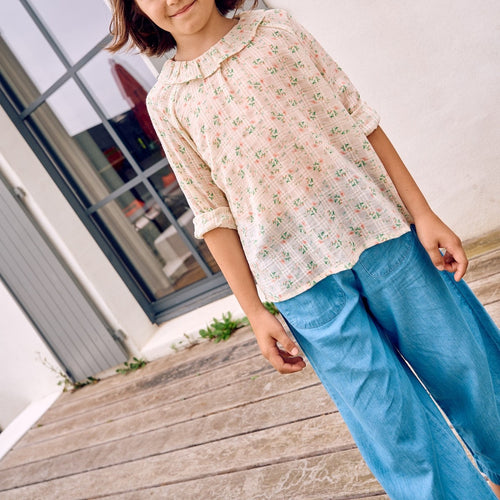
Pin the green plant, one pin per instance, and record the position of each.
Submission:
(175, 347)
(221, 330)
(83, 383)
(184, 344)
(64, 380)
(134, 365)
(271, 308)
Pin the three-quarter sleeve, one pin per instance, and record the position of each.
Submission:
(364, 115)
(207, 201)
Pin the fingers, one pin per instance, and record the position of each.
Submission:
(434, 234)
(436, 257)
(454, 260)
(269, 332)
(284, 363)
(287, 343)
(284, 360)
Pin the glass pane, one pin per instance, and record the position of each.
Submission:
(167, 187)
(150, 242)
(77, 136)
(120, 84)
(77, 26)
(26, 52)
(73, 109)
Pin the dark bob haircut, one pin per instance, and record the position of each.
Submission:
(130, 27)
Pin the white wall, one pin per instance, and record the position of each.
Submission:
(431, 69)
(23, 376)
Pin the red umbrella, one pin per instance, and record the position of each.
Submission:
(133, 92)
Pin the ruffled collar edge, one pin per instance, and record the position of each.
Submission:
(233, 42)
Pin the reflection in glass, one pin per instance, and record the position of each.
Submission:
(148, 239)
(28, 46)
(167, 187)
(73, 131)
(77, 26)
(121, 84)
(72, 109)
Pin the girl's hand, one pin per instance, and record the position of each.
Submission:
(268, 332)
(434, 234)
(225, 246)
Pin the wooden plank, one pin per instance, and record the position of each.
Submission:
(239, 394)
(181, 390)
(494, 311)
(483, 266)
(281, 410)
(207, 354)
(487, 290)
(177, 410)
(146, 392)
(317, 436)
(484, 244)
(335, 476)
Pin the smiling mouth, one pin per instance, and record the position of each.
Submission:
(184, 9)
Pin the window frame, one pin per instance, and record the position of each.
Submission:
(202, 292)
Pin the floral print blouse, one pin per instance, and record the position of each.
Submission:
(267, 135)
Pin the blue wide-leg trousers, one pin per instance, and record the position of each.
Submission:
(355, 327)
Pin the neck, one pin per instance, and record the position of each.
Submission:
(191, 46)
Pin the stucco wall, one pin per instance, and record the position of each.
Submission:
(431, 70)
(24, 378)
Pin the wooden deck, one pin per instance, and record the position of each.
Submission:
(211, 422)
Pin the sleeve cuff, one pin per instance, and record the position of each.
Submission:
(220, 217)
(366, 118)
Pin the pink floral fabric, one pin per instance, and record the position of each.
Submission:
(267, 135)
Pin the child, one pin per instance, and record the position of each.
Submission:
(295, 186)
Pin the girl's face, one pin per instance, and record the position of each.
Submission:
(181, 18)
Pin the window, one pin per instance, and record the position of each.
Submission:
(83, 111)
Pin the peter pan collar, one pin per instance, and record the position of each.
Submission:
(235, 40)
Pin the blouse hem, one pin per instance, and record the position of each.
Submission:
(334, 270)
